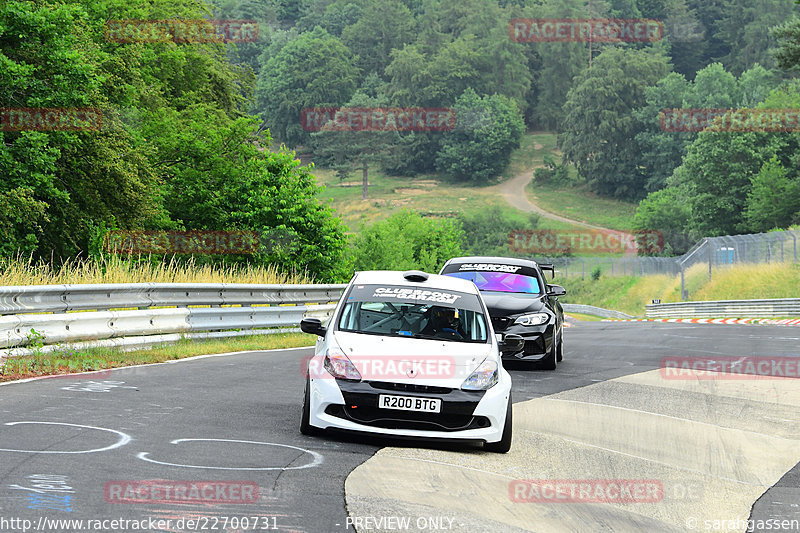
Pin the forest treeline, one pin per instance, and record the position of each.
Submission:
(192, 134)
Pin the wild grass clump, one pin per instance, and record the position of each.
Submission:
(115, 269)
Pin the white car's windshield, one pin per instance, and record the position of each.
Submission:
(412, 312)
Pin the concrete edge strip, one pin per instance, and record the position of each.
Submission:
(728, 321)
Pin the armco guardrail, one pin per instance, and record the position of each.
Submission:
(63, 298)
(592, 310)
(140, 313)
(788, 307)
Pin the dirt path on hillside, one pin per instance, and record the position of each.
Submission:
(514, 192)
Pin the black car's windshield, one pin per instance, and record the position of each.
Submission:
(501, 282)
(413, 312)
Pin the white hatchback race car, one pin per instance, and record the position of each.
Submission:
(410, 355)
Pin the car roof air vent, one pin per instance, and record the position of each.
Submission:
(415, 275)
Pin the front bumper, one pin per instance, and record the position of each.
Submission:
(538, 340)
(465, 415)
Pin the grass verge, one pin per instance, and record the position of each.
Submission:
(432, 194)
(583, 317)
(113, 269)
(738, 282)
(579, 203)
(68, 361)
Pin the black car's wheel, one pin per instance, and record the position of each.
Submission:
(560, 350)
(504, 444)
(305, 427)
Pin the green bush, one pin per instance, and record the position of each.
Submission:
(406, 241)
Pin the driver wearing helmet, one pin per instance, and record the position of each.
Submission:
(443, 322)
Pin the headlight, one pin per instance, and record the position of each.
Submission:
(339, 366)
(484, 377)
(536, 319)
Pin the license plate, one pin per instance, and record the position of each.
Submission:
(410, 403)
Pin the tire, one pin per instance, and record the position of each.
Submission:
(551, 359)
(305, 427)
(504, 444)
(560, 350)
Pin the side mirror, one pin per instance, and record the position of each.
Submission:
(512, 343)
(312, 326)
(556, 290)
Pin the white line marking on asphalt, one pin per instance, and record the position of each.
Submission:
(123, 438)
(318, 458)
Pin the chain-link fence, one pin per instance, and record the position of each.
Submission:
(716, 252)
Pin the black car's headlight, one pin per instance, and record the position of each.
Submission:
(533, 319)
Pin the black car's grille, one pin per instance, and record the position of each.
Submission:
(409, 387)
(375, 417)
(501, 323)
(534, 346)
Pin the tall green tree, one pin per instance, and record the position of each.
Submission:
(713, 87)
(558, 65)
(487, 130)
(788, 35)
(717, 172)
(346, 151)
(313, 70)
(745, 27)
(668, 212)
(774, 199)
(599, 125)
(176, 149)
(69, 181)
(384, 25)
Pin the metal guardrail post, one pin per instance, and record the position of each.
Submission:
(684, 293)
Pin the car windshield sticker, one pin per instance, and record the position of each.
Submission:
(497, 268)
(405, 293)
(399, 293)
(488, 267)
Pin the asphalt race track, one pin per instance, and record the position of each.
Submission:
(77, 447)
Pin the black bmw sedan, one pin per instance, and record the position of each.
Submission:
(519, 301)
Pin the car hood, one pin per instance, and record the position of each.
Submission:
(506, 304)
(435, 362)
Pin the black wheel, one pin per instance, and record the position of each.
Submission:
(550, 360)
(560, 350)
(305, 427)
(504, 444)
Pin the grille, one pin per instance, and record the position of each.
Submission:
(501, 323)
(409, 387)
(374, 417)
